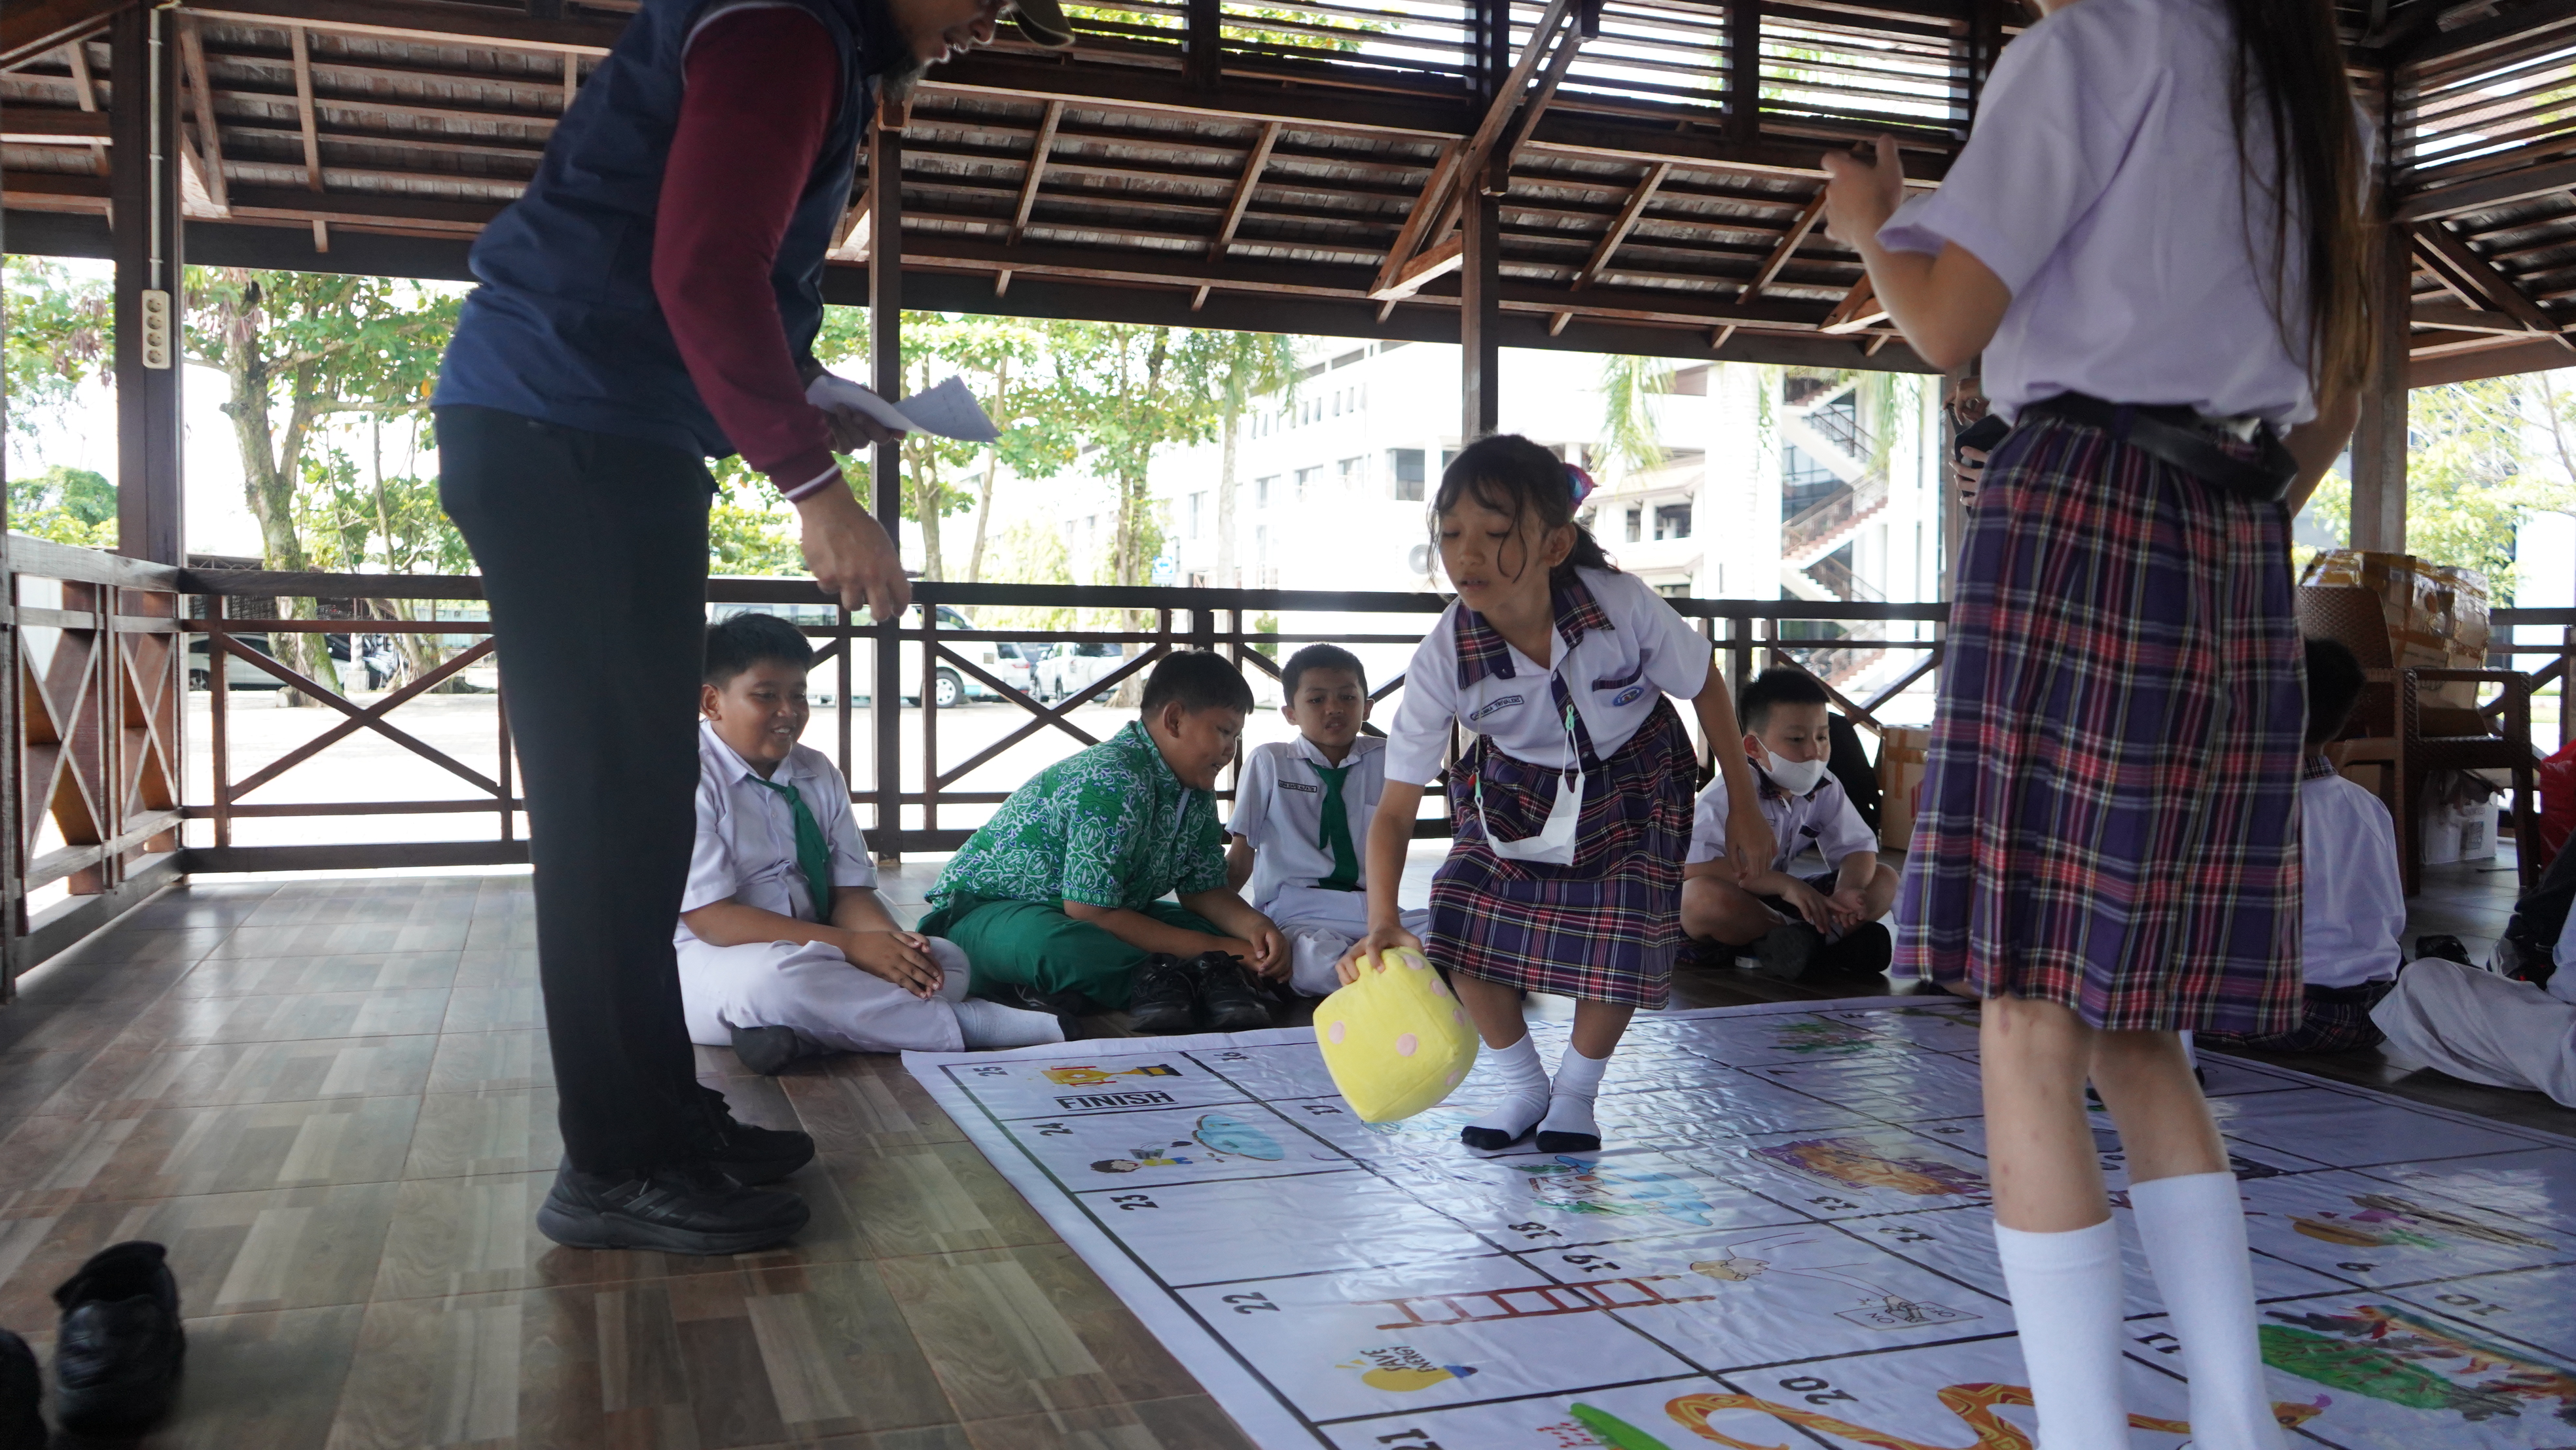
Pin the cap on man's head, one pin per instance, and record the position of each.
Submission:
(1042, 21)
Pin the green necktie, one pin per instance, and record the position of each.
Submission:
(813, 853)
(1336, 836)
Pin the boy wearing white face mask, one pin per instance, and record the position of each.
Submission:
(1816, 926)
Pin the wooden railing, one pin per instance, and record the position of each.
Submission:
(98, 665)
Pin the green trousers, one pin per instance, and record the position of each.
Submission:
(1034, 944)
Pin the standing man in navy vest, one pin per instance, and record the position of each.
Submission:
(650, 302)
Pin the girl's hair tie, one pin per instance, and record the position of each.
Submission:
(1579, 482)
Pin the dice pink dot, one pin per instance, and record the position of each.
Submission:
(1407, 1045)
(1335, 1032)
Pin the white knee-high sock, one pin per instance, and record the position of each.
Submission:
(2194, 1228)
(1524, 1101)
(2066, 1298)
(1568, 1126)
(990, 1024)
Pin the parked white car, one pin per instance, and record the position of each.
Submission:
(949, 686)
(1069, 667)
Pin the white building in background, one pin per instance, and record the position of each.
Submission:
(1774, 485)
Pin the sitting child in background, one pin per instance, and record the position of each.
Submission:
(786, 951)
(2353, 907)
(1300, 811)
(2481, 1026)
(1823, 925)
(1056, 898)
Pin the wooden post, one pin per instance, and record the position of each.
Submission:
(1204, 47)
(1480, 381)
(1744, 72)
(2379, 444)
(143, 185)
(885, 472)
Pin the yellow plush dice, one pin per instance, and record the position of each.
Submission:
(1395, 1040)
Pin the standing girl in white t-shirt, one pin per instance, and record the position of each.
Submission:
(2156, 238)
(1572, 812)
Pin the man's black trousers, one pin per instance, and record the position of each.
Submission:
(594, 557)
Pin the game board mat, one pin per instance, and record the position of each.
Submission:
(1785, 1239)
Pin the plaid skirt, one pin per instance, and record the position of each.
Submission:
(1604, 928)
(2109, 809)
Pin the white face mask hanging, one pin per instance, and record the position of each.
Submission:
(1554, 843)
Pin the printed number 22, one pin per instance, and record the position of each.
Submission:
(1132, 1200)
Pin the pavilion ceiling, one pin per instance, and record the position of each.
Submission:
(1292, 173)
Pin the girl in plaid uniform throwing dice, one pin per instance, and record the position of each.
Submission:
(1572, 811)
(2155, 238)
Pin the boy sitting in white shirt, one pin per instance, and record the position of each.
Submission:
(1823, 925)
(2352, 908)
(786, 950)
(1301, 812)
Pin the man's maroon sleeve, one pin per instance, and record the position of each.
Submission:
(762, 83)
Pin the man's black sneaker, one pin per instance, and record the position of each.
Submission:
(2444, 945)
(676, 1210)
(1863, 951)
(1226, 998)
(770, 1051)
(1789, 951)
(1160, 1001)
(22, 1387)
(749, 1154)
(117, 1358)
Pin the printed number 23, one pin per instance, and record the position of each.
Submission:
(1132, 1200)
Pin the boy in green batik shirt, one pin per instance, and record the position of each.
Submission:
(1058, 894)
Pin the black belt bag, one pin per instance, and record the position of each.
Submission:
(2175, 434)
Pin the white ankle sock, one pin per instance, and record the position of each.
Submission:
(990, 1024)
(1568, 1126)
(2066, 1298)
(1524, 1102)
(2194, 1227)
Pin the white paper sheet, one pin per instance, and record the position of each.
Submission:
(948, 410)
(1785, 1237)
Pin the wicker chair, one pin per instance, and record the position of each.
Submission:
(2387, 727)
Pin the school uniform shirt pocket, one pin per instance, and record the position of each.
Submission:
(1628, 688)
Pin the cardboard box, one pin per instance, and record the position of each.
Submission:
(1900, 783)
(2437, 615)
(2476, 827)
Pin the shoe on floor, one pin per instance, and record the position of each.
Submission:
(117, 1358)
(749, 1154)
(22, 1389)
(2444, 945)
(1226, 999)
(1788, 951)
(770, 1051)
(1863, 951)
(676, 1210)
(1160, 1002)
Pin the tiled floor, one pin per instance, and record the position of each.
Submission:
(330, 1098)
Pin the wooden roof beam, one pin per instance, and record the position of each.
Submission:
(1243, 194)
(1435, 262)
(304, 115)
(1036, 173)
(426, 21)
(1418, 220)
(30, 28)
(2450, 254)
(2465, 319)
(192, 58)
(1858, 309)
(1621, 225)
(85, 90)
(1790, 241)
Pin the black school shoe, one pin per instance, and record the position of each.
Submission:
(1789, 951)
(770, 1051)
(2444, 945)
(1159, 1004)
(1863, 951)
(117, 1358)
(22, 1388)
(1225, 995)
(749, 1154)
(677, 1210)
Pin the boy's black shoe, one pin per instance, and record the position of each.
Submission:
(1160, 1001)
(1064, 1006)
(770, 1051)
(22, 1386)
(1789, 951)
(2517, 962)
(1863, 951)
(749, 1154)
(2444, 945)
(678, 1210)
(1226, 999)
(117, 1360)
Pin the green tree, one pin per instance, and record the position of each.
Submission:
(66, 505)
(300, 352)
(60, 333)
(1123, 392)
(1239, 366)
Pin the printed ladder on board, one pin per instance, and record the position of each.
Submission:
(1787, 1227)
